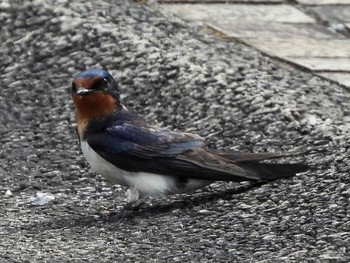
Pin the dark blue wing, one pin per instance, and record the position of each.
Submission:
(131, 140)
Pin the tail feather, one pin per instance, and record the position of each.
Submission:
(271, 171)
(236, 166)
(253, 157)
(266, 171)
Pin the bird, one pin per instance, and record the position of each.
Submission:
(149, 160)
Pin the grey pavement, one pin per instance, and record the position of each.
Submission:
(171, 71)
(313, 35)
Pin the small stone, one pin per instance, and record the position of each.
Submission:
(8, 193)
(311, 120)
(41, 198)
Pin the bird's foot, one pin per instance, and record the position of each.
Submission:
(132, 195)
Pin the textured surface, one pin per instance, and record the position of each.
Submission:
(246, 12)
(170, 72)
(297, 33)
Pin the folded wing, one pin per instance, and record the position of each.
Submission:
(137, 148)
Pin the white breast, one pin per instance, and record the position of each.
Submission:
(147, 183)
(111, 173)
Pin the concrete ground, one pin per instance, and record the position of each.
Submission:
(169, 71)
(312, 34)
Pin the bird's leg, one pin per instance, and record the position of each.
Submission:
(132, 195)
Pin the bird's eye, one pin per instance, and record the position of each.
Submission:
(105, 81)
(101, 84)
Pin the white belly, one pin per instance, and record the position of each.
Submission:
(154, 185)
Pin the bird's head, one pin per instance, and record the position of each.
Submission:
(95, 94)
(94, 81)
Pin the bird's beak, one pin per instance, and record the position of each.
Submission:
(83, 91)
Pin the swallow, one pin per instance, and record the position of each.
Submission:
(153, 161)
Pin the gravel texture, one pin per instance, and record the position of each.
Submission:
(169, 71)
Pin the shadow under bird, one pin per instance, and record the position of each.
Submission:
(149, 160)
